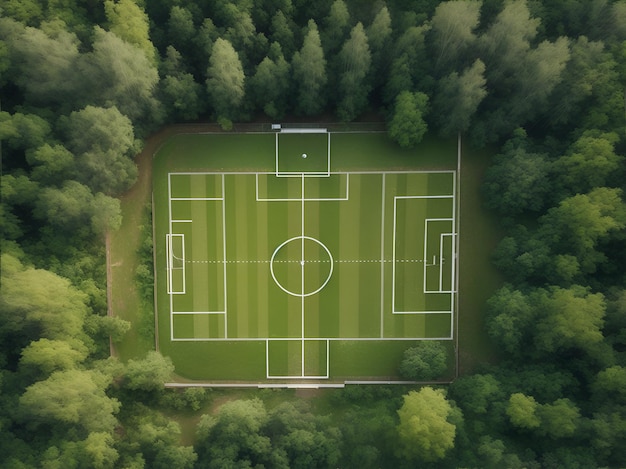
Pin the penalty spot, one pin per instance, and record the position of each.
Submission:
(304, 155)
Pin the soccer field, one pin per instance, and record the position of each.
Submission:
(302, 273)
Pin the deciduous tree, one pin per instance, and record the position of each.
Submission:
(425, 434)
(407, 126)
(225, 82)
(424, 362)
(73, 398)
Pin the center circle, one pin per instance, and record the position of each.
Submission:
(301, 266)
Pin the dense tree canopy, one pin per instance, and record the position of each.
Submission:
(539, 84)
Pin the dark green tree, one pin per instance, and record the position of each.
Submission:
(458, 98)
(424, 362)
(309, 74)
(271, 83)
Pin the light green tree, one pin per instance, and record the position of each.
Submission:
(570, 318)
(129, 22)
(149, 373)
(73, 398)
(50, 163)
(590, 162)
(453, 25)
(522, 411)
(355, 60)
(225, 82)
(47, 355)
(424, 432)
(407, 126)
(117, 73)
(53, 308)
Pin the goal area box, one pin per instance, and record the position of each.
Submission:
(303, 151)
(283, 274)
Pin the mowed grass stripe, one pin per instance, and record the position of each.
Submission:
(370, 291)
(261, 237)
(349, 274)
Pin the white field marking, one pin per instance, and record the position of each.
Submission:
(393, 264)
(196, 198)
(169, 230)
(302, 294)
(299, 173)
(276, 172)
(298, 199)
(441, 256)
(424, 197)
(382, 263)
(453, 172)
(307, 174)
(308, 199)
(332, 339)
(224, 254)
(182, 221)
(328, 156)
(326, 173)
(170, 268)
(306, 261)
(304, 130)
(426, 221)
(455, 260)
(198, 312)
(302, 282)
(425, 262)
(302, 374)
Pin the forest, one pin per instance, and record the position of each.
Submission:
(542, 83)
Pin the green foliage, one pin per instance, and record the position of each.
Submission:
(270, 84)
(225, 82)
(119, 74)
(72, 397)
(522, 411)
(129, 22)
(453, 26)
(47, 355)
(591, 162)
(149, 373)
(102, 139)
(309, 73)
(355, 60)
(458, 99)
(424, 432)
(52, 308)
(407, 127)
(424, 362)
(518, 180)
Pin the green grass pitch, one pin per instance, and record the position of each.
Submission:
(287, 259)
